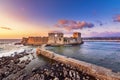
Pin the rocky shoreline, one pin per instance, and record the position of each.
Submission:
(13, 68)
(59, 71)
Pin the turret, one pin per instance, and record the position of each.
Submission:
(55, 38)
(77, 36)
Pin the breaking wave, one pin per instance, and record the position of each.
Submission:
(8, 47)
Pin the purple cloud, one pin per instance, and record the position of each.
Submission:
(71, 25)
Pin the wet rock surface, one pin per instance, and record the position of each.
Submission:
(12, 68)
(59, 71)
(12, 65)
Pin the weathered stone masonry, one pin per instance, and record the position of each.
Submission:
(53, 39)
(100, 73)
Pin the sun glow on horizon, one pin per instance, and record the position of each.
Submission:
(19, 29)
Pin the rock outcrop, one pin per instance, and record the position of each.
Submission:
(100, 73)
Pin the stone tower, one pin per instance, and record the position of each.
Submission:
(55, 38)
(77, 36)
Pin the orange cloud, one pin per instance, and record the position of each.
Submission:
(117, 18)
(71, 25)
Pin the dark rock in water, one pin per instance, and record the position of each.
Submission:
(23, 61)
(56, 71)
(17, 43)
(16, 61)
(27, 61)
(34, 69)
(12, 66)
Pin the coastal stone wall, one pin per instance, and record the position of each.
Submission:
(24, 40)
(34, 40)
(53, 39)
(100, 73)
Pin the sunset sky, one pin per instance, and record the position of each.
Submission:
(93, 18)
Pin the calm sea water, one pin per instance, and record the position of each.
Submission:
(106, 54)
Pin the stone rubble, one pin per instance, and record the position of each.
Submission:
(12, 68)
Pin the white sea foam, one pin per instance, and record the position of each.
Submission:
(8, 48)
(11, 52)
(17, 50)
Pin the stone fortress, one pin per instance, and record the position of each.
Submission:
(54, 39)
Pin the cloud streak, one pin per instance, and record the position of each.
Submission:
(73, 25)
(6, 28)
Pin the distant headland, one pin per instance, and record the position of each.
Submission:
(117, 39)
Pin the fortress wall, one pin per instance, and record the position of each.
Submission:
(53, 39)
(24, 40)
(35, 40)
(100, 73)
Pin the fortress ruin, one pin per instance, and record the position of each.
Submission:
(54, 39)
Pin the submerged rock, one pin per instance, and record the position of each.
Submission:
(12, 68)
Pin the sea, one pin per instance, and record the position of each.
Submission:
(105, 54)
(8, 47)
